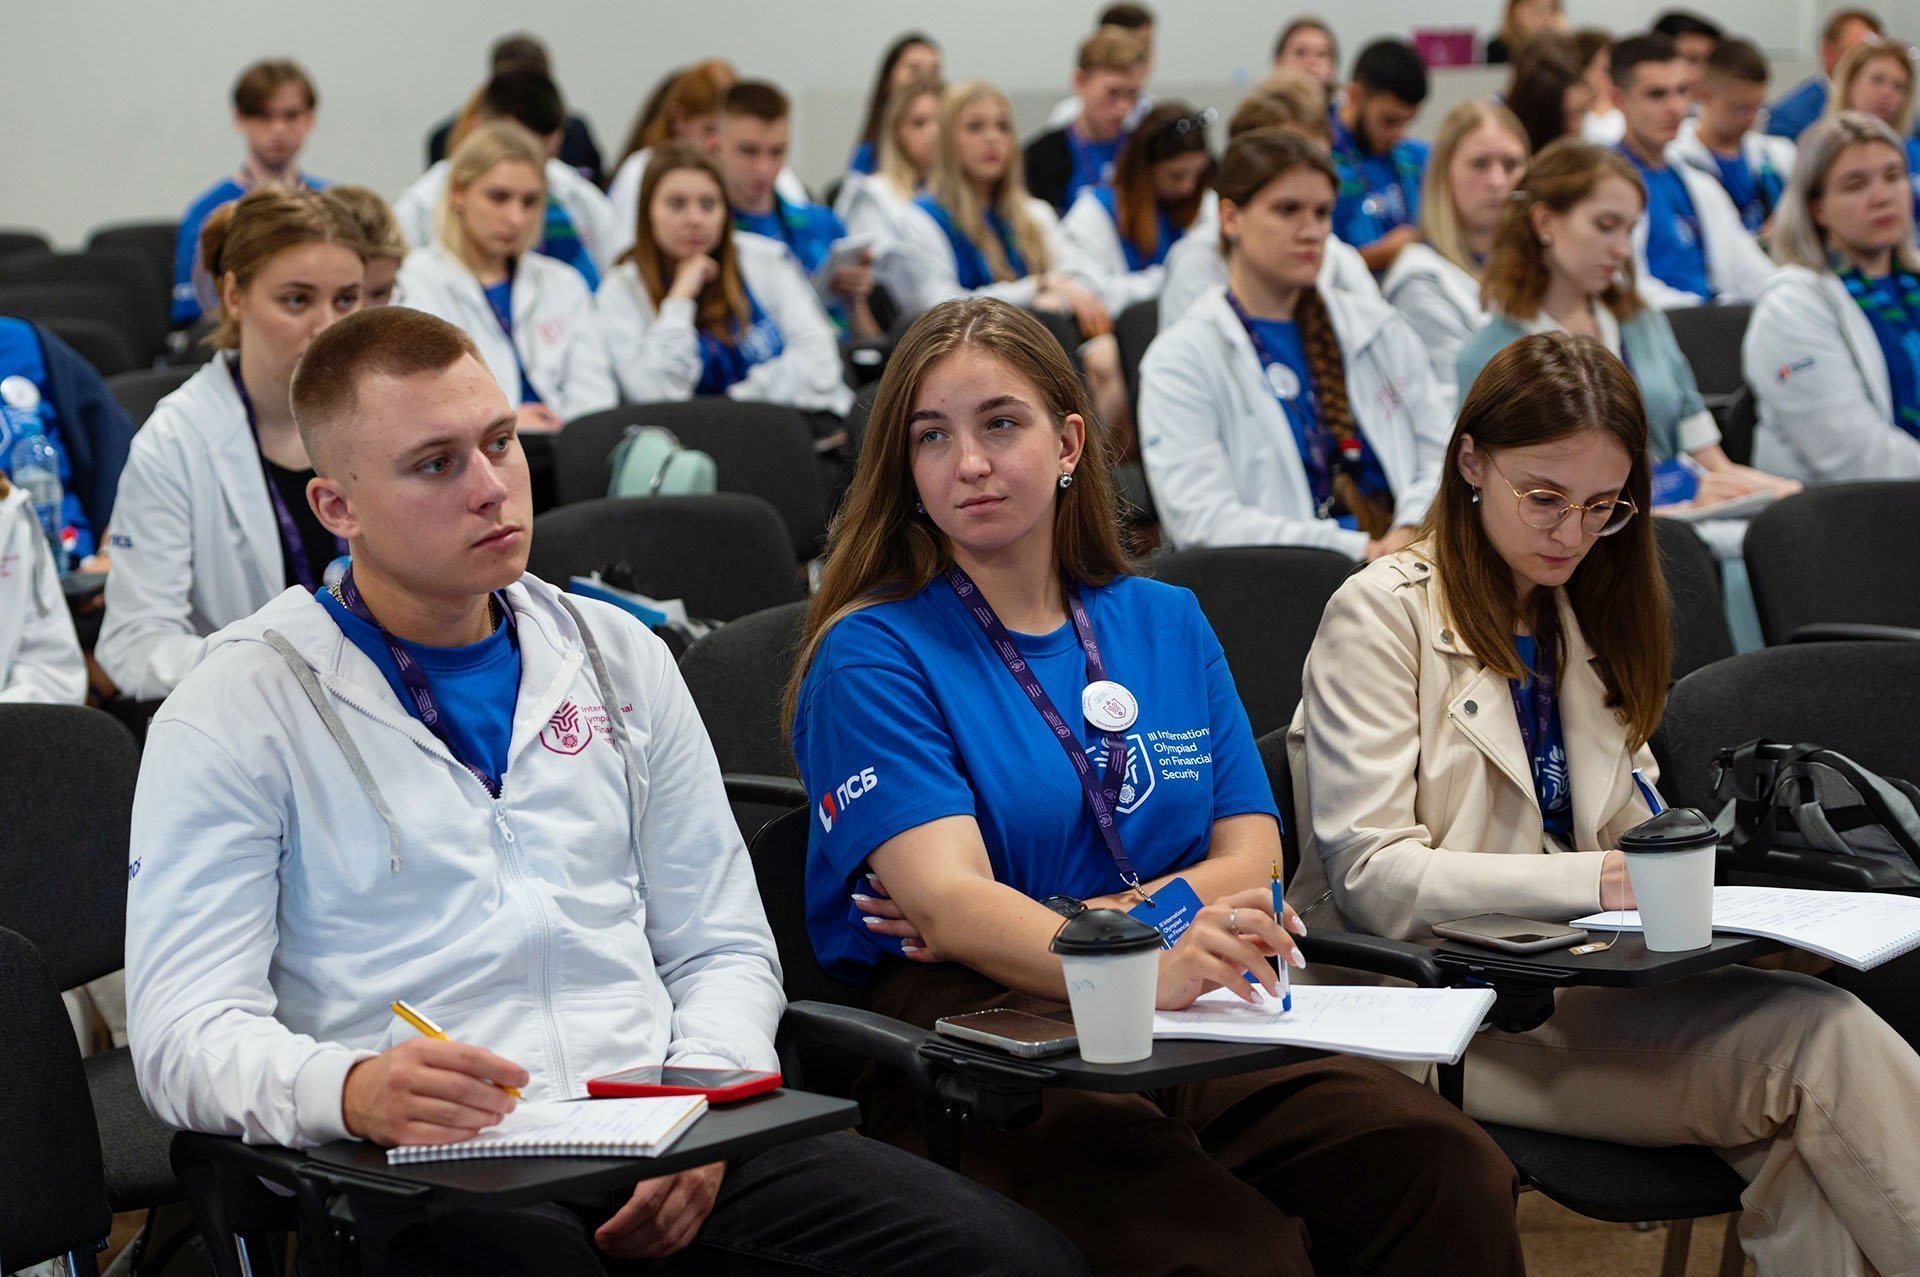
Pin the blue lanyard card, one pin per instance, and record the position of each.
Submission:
(1170, 912)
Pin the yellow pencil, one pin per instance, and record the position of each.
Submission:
(432, 1030)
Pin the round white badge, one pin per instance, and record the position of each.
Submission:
(1285, 382)
(19, 392)
(1109, 706)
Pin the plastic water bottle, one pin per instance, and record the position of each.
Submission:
(35, 467)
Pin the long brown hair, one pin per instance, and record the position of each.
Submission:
(1562, 175)
(1170, 129)
(691, 91)
(883, 89)
(880, 549)
(722, 308)
(1536, 390)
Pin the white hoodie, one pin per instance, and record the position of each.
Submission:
(600, 914)
(40, 657)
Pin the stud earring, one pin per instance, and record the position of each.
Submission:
(1066, 479)
(919, 507)
(1546, 241)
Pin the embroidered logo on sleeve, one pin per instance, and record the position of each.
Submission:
(1788, 370)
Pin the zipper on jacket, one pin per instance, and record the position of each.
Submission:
(543, 938)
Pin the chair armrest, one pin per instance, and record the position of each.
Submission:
(1853, 631)
(1817, 869)
(1401, 959)
(775, 791)
(856, 1031)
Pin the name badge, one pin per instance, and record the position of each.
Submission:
(1171, 912)
(1284, 380)
(1109, 706)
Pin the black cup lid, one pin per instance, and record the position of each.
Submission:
(1675, 829)
(1103, 931)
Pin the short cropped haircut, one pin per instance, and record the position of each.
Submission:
(1629, 54)
(1392, 67)
(1842, 18)
(756, 100)
(1738, 60)
(390, 341)
(1675, 23)
(526, 95)
(1112, 49)
(259, 82)
(1130, 17)
(521, 49)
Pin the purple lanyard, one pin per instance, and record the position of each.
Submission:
(1320, 446)
(1103, 795)
(424, 707)
(289, 530)
(1534, 709)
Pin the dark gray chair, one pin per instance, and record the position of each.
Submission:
(51, 1182)
(1264, 603)
(724, 553)
(764, 450)
(1133, 331)
(737, 676)
(1837, 555)
(105, 346)
(20, 241)
(1709, 336)
(1738, 417)
(1697, 623)
(152, 242)
(143, 314)
(140, 391)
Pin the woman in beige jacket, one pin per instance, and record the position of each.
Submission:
(1443, 770)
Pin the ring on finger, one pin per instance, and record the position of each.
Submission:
(1233, 923)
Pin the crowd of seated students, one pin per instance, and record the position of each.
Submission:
(1451, 363)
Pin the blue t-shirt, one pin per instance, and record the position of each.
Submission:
(1896, 325)
(1550, 782)
(908, 716)
(1676, 253)
(1790, 116)
(1092, 162)
(474, 686)
(500, 299)
(1913, 172)
(561, 241)
(1377, 192)
(808, 229)
(1291, 380)
(186, 245)
(864, 159)
(722, 363)
(1138, 258)
(1754, 194)
(969, 263)
(20, 356)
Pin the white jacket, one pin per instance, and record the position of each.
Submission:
(555, 332)
(1826, 402)
(1099, 260)
(1762, 151)
(195, 543)
(657, 356)
(934, 276)
(600, 914)
(1441, 303)
(623, 193)
(40, 659)
(1220, 456)
(592, 214)
(1196, 264)
(1736, 268)
(872, 210)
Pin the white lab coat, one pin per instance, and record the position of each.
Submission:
(40, 659)
(592, 215)
(1098, 259)
(934, 276)
(195, 543)
(1762, 150)
(1220, 456)
(623, 193)
(1196, 264)
(555, 332)
(656, 356)
(1826, 402)
(1441, 303)
(1736, 268)
(872, 210)
(585, 921)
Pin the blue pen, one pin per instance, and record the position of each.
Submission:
(1280, 916)
(1647, 791)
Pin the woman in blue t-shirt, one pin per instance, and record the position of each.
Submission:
(918, 726)
(1121, 231)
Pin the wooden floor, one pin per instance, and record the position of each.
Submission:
(1560, 1243)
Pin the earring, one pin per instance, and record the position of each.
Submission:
(919, 507)
(1066, 479)
(1546, 241)
(1476, 496)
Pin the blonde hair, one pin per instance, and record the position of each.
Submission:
(1798, 239)
(1439, 219)
(240, 238)
(1284, 100)
(1857, 59)
(491, 142)
(378, 226)
(950, 189)
(890, 163)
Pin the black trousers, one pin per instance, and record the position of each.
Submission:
(837, 1204)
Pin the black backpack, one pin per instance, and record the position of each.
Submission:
(1805, 797)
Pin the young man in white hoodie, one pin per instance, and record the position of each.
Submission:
(443, 781)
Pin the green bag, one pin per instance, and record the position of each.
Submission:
(650, 462)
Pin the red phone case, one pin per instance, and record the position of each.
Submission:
(602, 1088)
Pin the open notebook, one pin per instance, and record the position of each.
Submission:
(1387, 1023)
(1860, 928)
(573, 1128)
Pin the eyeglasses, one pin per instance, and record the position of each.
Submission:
(1198, 120)
(1544, 509)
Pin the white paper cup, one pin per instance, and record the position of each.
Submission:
(1112, 999)
(1674, 890)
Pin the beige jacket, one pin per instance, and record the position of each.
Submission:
(1412, 783)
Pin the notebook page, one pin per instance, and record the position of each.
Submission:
(629, 1127)
(1859, 928)
(1384, 1022)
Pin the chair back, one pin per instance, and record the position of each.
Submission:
(1264, 603)
(51, 1177)
(152, 242)
(1133, 331)
(65, 814)
(1738, 417)
(1837, 552)
(737, 675)
(104, 346)
(1273, 755)
(20, 241)
(1709, 336)
(724, 553)
(779, 854)
(141, 391)
(764, 450)
(143, 313)
(1697, 619)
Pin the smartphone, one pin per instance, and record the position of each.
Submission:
(720, 1086)
(1509, 934)
(1015, 1032)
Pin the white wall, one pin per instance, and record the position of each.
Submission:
(119, 109)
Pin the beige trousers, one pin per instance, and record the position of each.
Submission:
(1804, 1090)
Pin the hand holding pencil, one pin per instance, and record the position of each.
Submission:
(428, 1090)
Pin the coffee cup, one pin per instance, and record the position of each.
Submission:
(1670, 860)
(1112, 965)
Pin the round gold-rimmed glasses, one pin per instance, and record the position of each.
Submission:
(1545, 509)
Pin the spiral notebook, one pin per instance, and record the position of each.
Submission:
(1385, 1022)
(642, 1127)
(1859, 928)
